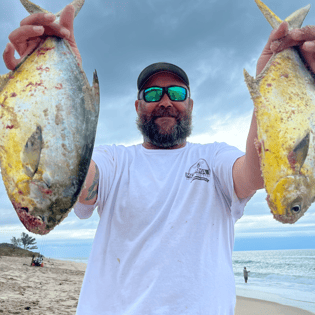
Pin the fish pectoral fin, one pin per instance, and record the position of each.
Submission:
(4, 79)
(298, 155)
(32, 151)
(295, 20)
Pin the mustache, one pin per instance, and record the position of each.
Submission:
(165, 112)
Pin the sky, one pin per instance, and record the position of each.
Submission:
(213, 41)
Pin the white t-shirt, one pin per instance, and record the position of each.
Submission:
(166, 232)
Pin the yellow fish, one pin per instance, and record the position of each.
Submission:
(284, 98)
(49, 115)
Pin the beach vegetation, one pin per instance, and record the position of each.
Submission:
(16, 241)
(27, 241)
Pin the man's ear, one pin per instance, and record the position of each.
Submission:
(191, 104)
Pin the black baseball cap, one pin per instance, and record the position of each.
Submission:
(154, 68)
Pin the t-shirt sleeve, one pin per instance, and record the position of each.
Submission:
(104, 158)
(223, 161)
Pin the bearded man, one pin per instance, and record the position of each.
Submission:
(167, 207)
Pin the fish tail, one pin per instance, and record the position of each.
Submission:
(34, 8)
(295, 20)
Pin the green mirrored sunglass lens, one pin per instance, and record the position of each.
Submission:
(152, 94)
(177, 93)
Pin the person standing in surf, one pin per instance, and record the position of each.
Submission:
(245, 273)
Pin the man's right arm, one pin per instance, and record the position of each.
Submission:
(89, 192)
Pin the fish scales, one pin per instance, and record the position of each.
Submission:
(284, 98)
(49, 115)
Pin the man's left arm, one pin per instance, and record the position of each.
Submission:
(247, 176)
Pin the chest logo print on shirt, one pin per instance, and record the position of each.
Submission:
(200, 171)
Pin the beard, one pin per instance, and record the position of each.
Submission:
(165, 139)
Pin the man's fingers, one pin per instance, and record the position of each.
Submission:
(46, 20)
(306, 33)
(295, 37)
(39, 19)
(67, 17)
(19, 37)
(309, 46)
(8, 57)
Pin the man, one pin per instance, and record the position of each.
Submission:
(167, 207)
(245, 273)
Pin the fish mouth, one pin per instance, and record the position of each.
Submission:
(31, 223)
(286, 219)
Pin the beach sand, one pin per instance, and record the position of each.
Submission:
(55, 289)
(247, 306)
(52, 289)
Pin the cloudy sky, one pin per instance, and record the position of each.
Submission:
(213, 41)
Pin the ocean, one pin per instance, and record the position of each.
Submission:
(282, 276)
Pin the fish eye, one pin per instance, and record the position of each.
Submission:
(296, 209)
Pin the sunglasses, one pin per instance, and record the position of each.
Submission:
(155, 93)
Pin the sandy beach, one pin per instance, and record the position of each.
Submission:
(55, 289)
(52, 289)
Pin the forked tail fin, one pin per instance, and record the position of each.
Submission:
(295, 20)
(34, 8)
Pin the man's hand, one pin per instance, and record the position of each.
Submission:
(282, 38)
(34, 29)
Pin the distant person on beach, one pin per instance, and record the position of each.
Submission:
(245, 272)
(167, 207)
(33, 260)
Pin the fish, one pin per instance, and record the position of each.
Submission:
(48, 121)
(284, 99)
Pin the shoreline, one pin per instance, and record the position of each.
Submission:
(55, 289)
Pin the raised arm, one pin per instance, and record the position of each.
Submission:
(89, 192)
(246, 170)
(34, 29)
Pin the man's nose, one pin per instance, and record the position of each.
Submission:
(165, 101)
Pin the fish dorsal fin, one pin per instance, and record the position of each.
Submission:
(4, 79)
(31, 153)
(295, 20)
(34, 8)
(298, 155)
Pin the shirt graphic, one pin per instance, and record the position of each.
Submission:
(200, 170)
